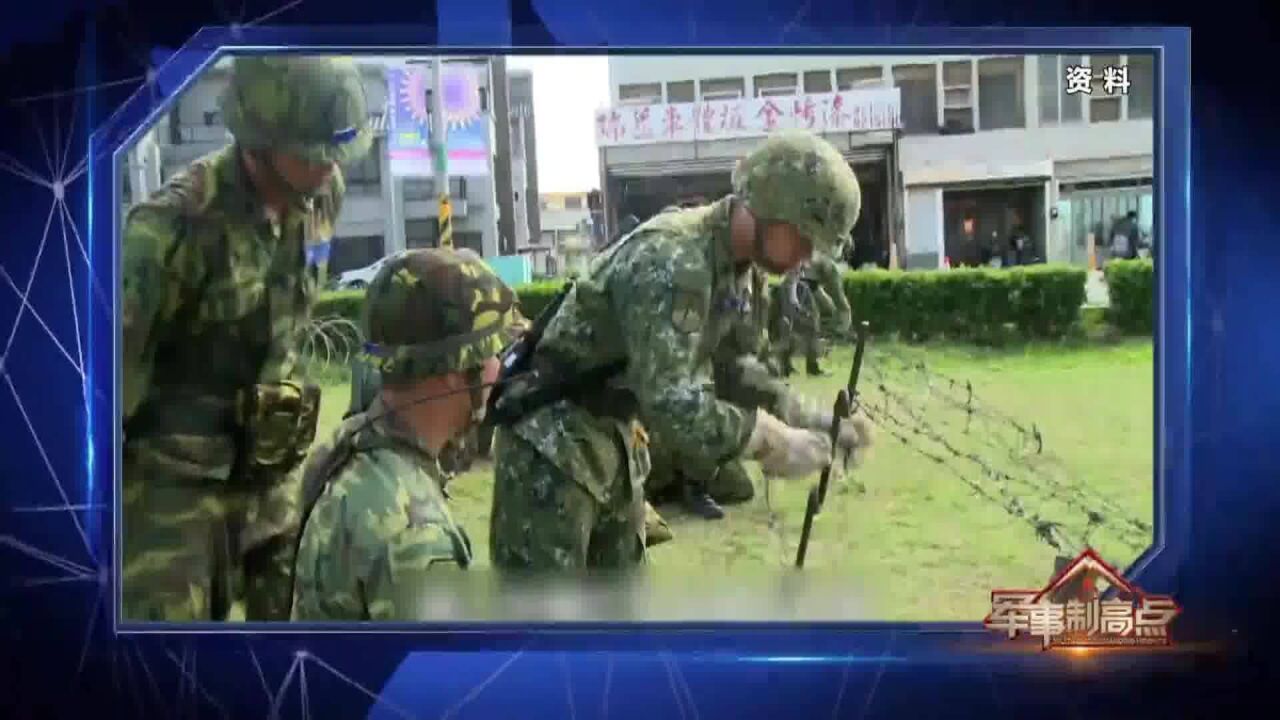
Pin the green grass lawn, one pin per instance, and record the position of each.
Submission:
(917, 543)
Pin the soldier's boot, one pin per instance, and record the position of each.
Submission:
(698, 502)
(814, 369)
(785, 367)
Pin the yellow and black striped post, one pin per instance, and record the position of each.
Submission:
(440, 153)
(446, 222)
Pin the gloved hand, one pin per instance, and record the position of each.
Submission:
(786, 451)
(855, 439)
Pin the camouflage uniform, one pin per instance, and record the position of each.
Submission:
(568, 488)
(809, 303)
(377, 524)
(215, 292)
(704, 484)
(458, 456)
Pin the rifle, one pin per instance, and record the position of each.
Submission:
(516, 358)
(843, 409)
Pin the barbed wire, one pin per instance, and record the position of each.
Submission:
(329, 341)
(1075, 495)
(999, 458)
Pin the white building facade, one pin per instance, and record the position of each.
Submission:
(984, 146)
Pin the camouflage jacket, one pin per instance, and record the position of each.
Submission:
(664, 299)
(378, 524)
(214, 295)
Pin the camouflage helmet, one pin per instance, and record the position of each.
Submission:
(435, 311)
(310, 107)
(796, 177)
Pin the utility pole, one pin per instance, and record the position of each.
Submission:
(440, 152)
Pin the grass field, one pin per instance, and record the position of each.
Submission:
(918, 541)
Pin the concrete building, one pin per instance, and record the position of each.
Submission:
(566, 224)
(375, 199)
(984, 145)
(524, 159)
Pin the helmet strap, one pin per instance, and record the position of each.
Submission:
(758, 244)
(265, 164)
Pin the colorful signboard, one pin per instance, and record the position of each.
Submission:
(409, 121)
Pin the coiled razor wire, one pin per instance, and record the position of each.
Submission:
(330, 342)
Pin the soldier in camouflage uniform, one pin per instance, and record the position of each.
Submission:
(808, 304)
(377, 523)
(702, 485)
(631, 340)
(215, 292)
(461, 452)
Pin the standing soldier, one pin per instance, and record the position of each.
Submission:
(808, 302)
(215, 292)
(377, 523)
(630, 340)
(835, 316)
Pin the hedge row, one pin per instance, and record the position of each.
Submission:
(964, 304)
(347, 304)
(969, 304)
(1131, 284)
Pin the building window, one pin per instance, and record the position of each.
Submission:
(517, 194)
(681, 92)
(212, 118)
(640, 94)
(350, 253)
(1047, 92)
(473, 241)
(425, 188)
(484, 99)
(572, 202)
(722, 88)
(918, 85)
(1000, 102)
(817, 81)
(853, 78)
(1142, 85)
(957, 96)
(420, 233)
(1072, 104)
(1103, 107)
(367, 171)
(775, 84)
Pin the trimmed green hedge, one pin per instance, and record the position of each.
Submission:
(535, 296)
(347, 304)
(1131, 285)
(967, 305)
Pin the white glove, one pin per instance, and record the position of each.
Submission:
(855, 439)
(786, 451)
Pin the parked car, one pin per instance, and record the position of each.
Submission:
(359, 278)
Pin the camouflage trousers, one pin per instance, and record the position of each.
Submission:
(808, 344)
(728, 484)
(192, 548)
(544, 519)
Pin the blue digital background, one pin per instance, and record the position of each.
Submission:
(69, 65)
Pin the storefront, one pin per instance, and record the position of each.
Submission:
(1093, 196)
(644, 171)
